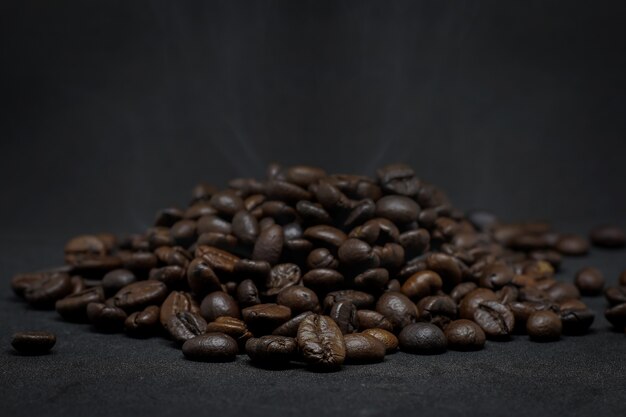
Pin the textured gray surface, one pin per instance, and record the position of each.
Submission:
(94, 374)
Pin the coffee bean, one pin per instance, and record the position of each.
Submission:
(211, 347)
(138, 295)
(21, 282)
(616, 315)
(373, 280)
(369, 319)
(303, 175)
(507, 294)
(299, 299)
(167, 217)
(45, 292)
(203, 191)
(447, 267)
(106, 318)
(227, 203)
(388, 339)
(325, 236)
(398, 179)
(221, 261)
(199, 209)
(322, 279)
(269, 245)
(285, 191)
(464, 335)
(201, 278)
(173, 276)
(576, 317)
(615, 295)
(496, 276)
(185, 325)
(360, 299)
(218, 304)
(422, 284)
(470, 302)
(262, 319)
(245, 227)
(399, 209)
(460, 291)
(572, 245)
(143, 323)
(322, 258)
(362, 348)
(321, 343)
(376, 232)
(589, 281)
(33, 343)
(563, 291)
(422, 338)
(356, 253)
(247, 294)
(313, 213)
(544, 326)
(176, 302)
(437, 309)
(282, 276)
(271, 350)
(344, 313)
(74, 306)
(80, 248)
(233, 327)
(398, 309)
(608, 236)
(495, 319)
(115, 280)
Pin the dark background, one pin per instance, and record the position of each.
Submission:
(113, 109)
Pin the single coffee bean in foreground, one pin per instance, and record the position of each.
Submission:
(321, 343)
(422, 338)
(544, 326)
(33, 342)
(465, 335)
(271, 349)
(363, 348)
(211, 347)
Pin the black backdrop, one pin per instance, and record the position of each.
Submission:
(113, 109)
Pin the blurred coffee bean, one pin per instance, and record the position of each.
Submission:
(608, 236)
(589, 281)
(33, 342)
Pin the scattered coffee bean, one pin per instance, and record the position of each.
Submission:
(544, 326)
(422, 338)
(321, 343)
(608, 236)
(33, 343)
(211, 347)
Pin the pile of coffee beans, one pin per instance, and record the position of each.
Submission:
(322, 269)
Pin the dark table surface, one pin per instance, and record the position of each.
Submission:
(89, 373)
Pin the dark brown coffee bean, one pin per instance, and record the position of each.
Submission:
(496, 276)
(143, 323)
(168, 216)
(290, 328)
(608, 236)
(616, 315)
(233, 327)
(325, 236)
(74, 306)
(358, 254)
(362, 211)
(460, 291)
(331, 198)
(211, 347)
(464, 335)
(173, 255)
(262, 319)
(398, 179)
(247, 294)
(495, 319)
(227, 203)
(282, 276)
(523, 309)
(388, 339)
(344, 313)
(138, 295)
(360, 299)
(269, 245)
(507, 294)
(313, 213)
(363, 348)
(271, 350)
(287, 192)
(374, 280)
(322, 258)
(321, 343)
(45, 292)
(589, 281)
(173, 276)
(221, 261)
(201, 278)
(199, 209)
(214, 224)
(422, 284)
(399, 209)
(563, 291)
(322, 279)
(376, 232)
(544, 326)
(184, 232)
(33, 343)
(572, 245)
(203, 191)
(245, 227)
(398, 309)
(115, 280)
(615, 295)
(21, 282)
(437, 309)
(391, 256)
(84, 247)
(470, 302)
(370, 319)
(177, 302)
(576, 317)
(218, 304)
(447, 267)
(106, 318)
(422, 338)
(299, 299)
(185, 325)
(138, 261)
(303, 175)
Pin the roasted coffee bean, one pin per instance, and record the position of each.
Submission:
(372, 280)
(138, 261)
(211, 347)
(495, 319)
(143, 323)
(589, 281)
(184, 232)
(388, 339)
(544, 326)
(422, 284)
(322, 258)
(615, 295)
(174, 276)
(576, 317)
(496, 276)
(376, 232)
(285, 191)
(399, 209)
(138, 295)
(344, 313)
(322, 279)
(325, 236)
(203, 191)
(370, 319)
(185, 325)
(78, 284)
(271, 350)
(523, 309)
(299, 299)
(21, 282)
(269, 245)
(507, 294)
(608, 236)
(221, 261)
(115, 280)
(106, 318)
(447, 267)
(255, 270)
(422, 338)
(173, 255)
(282, 276)
(616, 315)
(45, 292)
(214, 224)
(357, 254)
(313, 213)
(563, 291)
(415, 242)
(264, 318)
(176, 302)
(398, 309)
(168, 216)
(84, 247)
(290, 328)
(321, 343)
(464, 335)
(362, 211)
(572, 245)
(552, 257)
(391, 255)
(398, 179)
(331, 198)
(460, 291)
(199, 209)
(33, 343)
(217, 304)
(470, 302)
(201, 278)
(362, 348)
(247, 294)
(304, 175)
(437, 309)
(74, 306)
(227, 203)
(245, 227)
(360, 299)
(233, 327)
